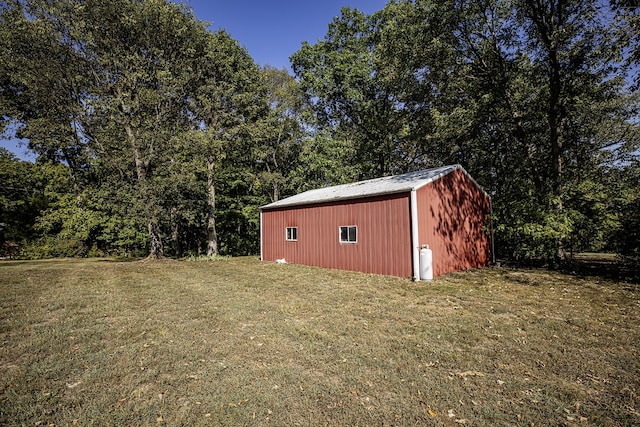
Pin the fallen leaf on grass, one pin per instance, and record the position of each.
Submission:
(466, 374)
(234, 404)
(432, 413)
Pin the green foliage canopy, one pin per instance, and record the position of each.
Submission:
(156, 135)
(526, 95)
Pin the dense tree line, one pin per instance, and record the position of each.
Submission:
(157, 136)
(160, 123)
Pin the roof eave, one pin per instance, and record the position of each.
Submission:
(416, 187)
(276, 205)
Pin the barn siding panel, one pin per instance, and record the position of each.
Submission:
(453, 213)
(384, 235)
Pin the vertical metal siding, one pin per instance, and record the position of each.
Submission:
(384, 235)
(453, 213)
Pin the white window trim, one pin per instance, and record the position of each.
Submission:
(347, 242)
(286, 234)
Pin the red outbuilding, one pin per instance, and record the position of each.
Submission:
(383, 225)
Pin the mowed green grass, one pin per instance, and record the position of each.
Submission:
(240, 342)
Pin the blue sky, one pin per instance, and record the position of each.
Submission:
(271, 31)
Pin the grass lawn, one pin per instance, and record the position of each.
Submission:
(239, 342)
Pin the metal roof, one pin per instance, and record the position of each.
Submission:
(369, 188)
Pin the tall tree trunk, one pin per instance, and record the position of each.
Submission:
(555, 119)
(175, 232)
(156, 249)
(549, 18)
(212, 237)
(276, 192)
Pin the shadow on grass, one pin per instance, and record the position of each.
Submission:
(602, 265)
(607, 266)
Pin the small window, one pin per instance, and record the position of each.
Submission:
(349, 234)
(292, 234)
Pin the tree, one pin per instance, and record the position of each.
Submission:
(324, 160)
(350, 97)
(626, 237)
(47, 106)
(146, 55)
(116, 87)
(21, 201)
(626, 29)
(228, 99)
(280, 132)
(141, 92)
(524, 94)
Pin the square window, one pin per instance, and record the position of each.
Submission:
(349, 234)
(292, 234)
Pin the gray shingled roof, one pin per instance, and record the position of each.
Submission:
(372, 187)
